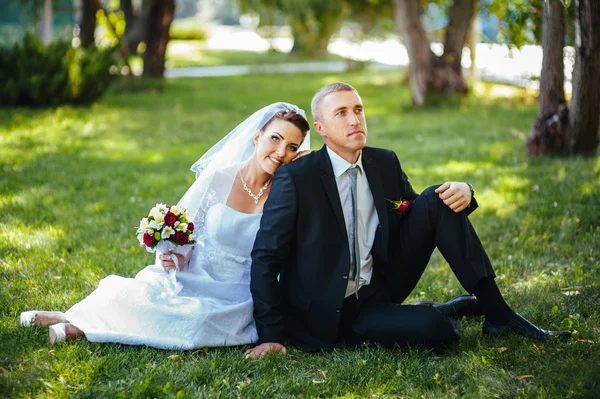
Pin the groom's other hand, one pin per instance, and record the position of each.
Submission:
(456, 195)
(263, 349)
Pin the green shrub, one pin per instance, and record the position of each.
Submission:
(187, 30)
(36, 75)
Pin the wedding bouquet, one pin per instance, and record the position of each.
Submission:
(167, 229)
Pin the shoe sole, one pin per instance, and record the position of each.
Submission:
(53, 337)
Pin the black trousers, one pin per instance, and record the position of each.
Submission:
(378, 316)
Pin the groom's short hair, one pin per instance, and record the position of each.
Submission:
(315, 105)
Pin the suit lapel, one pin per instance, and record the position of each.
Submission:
(330, 186)
(376, 184)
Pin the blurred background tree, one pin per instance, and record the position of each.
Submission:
(312, 22)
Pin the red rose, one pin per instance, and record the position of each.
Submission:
(149, 240)
(181, 238)
(403, 207)
(191, 226)
(170, 219)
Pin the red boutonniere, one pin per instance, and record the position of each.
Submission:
(401, 207)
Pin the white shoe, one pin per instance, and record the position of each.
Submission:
(57, 333)
(28, 318)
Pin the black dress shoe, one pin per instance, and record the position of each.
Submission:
(520, 325)
(457, 307)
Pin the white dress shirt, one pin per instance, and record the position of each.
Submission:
(366, 214)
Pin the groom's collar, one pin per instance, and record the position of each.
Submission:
(340, 165)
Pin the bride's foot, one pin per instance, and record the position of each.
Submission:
(60, 332)
(41, 318)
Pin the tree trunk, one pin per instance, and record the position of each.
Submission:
(160, 16)
(549, 133)
(133, 31)
(472, 40)
(429, 73)
(461, 17)
(46, 20)
(87, 25)
(421, 58)
(585, 103)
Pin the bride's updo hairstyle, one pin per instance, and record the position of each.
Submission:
(292, 117)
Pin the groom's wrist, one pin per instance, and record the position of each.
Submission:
(472, 192)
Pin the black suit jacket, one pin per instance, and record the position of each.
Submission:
(301, 258)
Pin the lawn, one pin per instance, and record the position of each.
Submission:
(74, 183)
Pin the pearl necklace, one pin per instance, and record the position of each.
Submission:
(260, 192)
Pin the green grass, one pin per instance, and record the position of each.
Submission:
(74, 183)
(194, 54)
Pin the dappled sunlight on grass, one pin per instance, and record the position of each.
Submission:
(588, 188)
(494, 91)
(22, 237)
(501, 204)
(460, 168)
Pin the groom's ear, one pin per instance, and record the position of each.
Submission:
(318, 127)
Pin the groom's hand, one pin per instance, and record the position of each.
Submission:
(455, 194)
(263, 349)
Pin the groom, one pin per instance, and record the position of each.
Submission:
(333, 259)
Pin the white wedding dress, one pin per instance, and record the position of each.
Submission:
(214, 308)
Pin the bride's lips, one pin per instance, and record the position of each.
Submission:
(275, 162)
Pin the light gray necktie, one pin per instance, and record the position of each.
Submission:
(354, 260)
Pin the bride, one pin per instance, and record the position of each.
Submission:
(214, 308)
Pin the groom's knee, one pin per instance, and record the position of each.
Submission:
(431, 198)
(430, 193)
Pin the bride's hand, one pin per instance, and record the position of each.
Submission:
(168, 264)
(301, 154)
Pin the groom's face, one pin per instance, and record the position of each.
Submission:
(342, 124)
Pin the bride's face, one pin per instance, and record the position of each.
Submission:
(277, 145)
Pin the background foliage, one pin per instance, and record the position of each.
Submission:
(36, 75)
